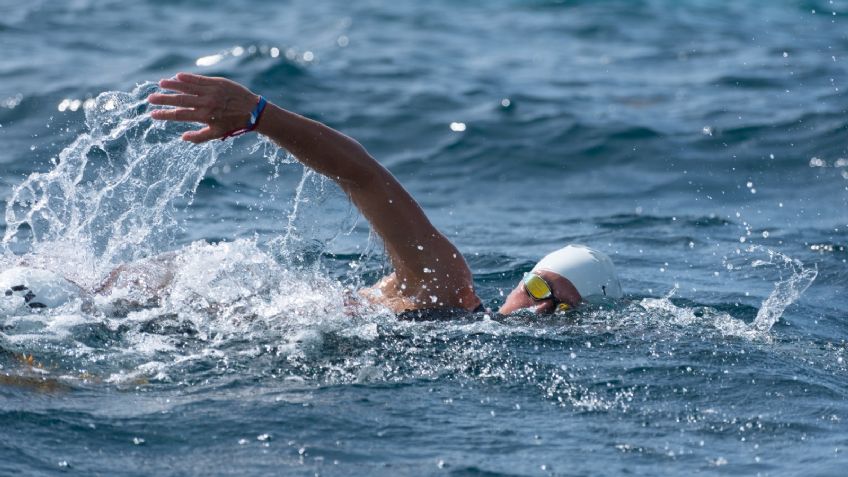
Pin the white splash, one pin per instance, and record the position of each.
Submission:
(111, 192)
(794, 279)
(786, 291)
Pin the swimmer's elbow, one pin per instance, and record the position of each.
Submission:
(361, 171)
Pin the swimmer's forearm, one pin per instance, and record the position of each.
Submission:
(320, 147)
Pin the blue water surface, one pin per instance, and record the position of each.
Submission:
(702, 145)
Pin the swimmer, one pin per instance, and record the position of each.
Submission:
(431, 279)
(430, 274)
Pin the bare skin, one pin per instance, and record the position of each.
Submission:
(429, 270)
(562, 290)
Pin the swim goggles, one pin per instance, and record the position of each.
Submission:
(539, 289)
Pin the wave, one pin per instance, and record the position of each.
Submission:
(233, 311)
(627, 221)
(752, 82)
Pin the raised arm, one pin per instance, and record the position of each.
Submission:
(429, 270)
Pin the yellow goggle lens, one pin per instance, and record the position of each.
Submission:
(563, 307)
(537, 287)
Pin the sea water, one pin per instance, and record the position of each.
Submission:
(702, 145)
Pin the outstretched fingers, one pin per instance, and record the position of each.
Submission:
(184, 115)
(197, 80)
(183, 87)
(201, 135)
(179, 100)
(200, 99)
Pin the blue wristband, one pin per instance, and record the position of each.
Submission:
(256, 113)
(252, 122)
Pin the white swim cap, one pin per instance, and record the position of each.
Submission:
(589, 270)
(38, 288)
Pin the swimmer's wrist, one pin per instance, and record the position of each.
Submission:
(254, 118)
(274, 121)
(269, 117)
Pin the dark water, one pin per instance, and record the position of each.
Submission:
(701, 144)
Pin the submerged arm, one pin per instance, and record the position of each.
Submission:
(430, 271)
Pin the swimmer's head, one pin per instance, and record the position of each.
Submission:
(563, 279)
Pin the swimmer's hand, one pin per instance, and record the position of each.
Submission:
(222, 105)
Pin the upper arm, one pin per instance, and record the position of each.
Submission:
(423, 258)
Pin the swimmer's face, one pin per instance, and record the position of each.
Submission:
(563, 292)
